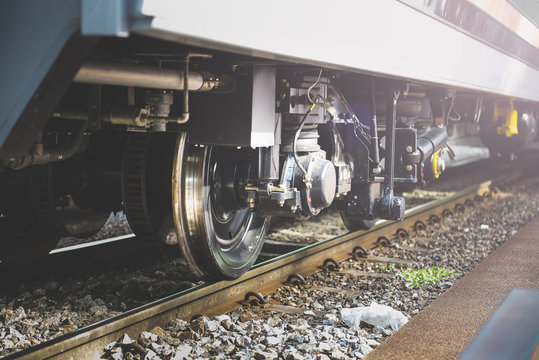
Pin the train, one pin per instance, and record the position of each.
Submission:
(203, 119)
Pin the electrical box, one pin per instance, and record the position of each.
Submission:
(244, 117)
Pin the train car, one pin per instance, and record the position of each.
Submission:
(203, 119)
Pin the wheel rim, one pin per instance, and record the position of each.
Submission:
(218, 235)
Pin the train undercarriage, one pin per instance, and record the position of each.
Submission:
(200, 147)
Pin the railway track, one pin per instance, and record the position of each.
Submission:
(264, 278)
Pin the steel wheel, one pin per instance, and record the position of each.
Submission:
(217, 233)
(364, 195)
(353, 224)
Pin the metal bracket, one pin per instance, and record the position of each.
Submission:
(389, 206)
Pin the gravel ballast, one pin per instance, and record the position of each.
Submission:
(457, 244)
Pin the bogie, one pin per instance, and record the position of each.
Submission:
(201, 147)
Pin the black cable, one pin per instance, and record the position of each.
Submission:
(298, 131)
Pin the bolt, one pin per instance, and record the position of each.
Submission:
(409, 149)
(280, 202)
(293, 208)
(251, 202)
(409, 168)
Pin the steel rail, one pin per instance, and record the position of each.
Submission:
(220, 297)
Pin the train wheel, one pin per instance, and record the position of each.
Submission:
(28, 220)
(146, 173)
(353, 224)
(362, 196)
(218, 235)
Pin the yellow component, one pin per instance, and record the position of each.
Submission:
(272, 188)
(510, 116)
(435, 171)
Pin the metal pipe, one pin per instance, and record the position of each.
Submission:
(38, 155)
(70, 114)
(184, 117)
(392, 97)
(151, 77)
(376, 168)
(391, 207)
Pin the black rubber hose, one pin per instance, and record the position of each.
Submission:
(432, 141)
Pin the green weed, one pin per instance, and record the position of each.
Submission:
(420, 277)
(387, 268)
